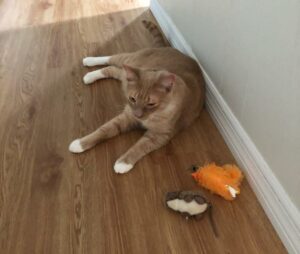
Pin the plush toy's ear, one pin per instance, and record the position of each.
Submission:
(131, 73)
(167, 80)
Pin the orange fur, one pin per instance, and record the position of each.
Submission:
(165, 92)
(216, 179)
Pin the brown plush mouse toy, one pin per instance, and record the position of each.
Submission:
(190, 204)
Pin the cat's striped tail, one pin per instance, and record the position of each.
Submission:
(153, 29)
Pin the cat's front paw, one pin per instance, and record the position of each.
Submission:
(121, 167)
(76, 147)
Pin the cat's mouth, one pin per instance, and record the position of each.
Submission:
(139, 117)
(138, 113)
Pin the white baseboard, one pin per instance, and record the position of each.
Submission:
(279, 208)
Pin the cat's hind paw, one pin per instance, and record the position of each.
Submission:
(92, 76)
(122, 167)
(93, 61)
(76, 147)
(88, 61)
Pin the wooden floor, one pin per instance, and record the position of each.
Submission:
(52, 201)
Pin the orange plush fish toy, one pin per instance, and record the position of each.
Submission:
(224, 181)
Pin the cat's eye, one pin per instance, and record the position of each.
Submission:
(132, 99)
(151, 105)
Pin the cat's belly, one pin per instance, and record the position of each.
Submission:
(148, 124)
(157, 124)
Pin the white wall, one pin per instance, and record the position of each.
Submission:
(251, 50)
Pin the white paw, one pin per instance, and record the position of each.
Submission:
(93, 61)
(122, 167)
(88, 78)
(75, 146)
(88, 61)
(92, 76)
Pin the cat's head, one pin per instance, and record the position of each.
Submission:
(147, 90)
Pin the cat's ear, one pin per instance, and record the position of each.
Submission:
(166, 80)
(131, 73)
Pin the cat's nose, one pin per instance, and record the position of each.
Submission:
(138, 113)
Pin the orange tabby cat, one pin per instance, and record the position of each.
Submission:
(165, 92)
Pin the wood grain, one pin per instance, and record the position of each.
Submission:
(52, 201)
